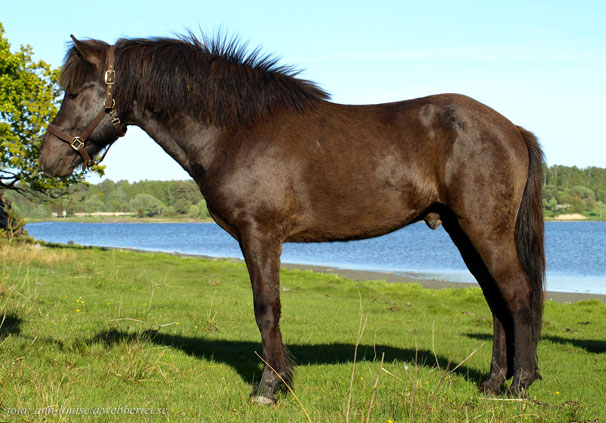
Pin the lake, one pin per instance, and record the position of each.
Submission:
(576, 251)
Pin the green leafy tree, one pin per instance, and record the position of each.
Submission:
(193, 212)
(203, 209)
(93, 205)
(29, 95)
(118, 200)
(183, 194)
(146, 205)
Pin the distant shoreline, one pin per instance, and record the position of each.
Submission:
(432, 281)
(119, 219)
(389, 277)
(577, 217)
(364, 275)
(97, 218)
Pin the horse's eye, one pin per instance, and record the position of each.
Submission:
(71, 96)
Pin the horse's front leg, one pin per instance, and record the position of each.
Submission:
(262, 254)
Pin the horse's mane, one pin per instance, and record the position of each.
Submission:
(215, 80)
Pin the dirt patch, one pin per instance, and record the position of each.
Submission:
(571, 216)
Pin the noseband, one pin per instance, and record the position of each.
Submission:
(77, 143)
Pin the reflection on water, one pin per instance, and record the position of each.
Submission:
(576, 251)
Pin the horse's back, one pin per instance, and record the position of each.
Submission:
(399, 159)
(348, 172)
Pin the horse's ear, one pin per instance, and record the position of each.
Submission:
(88, 52)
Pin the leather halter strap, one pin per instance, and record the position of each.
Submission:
(77, 142)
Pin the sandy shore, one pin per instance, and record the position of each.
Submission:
(570, 216)
(364, 275)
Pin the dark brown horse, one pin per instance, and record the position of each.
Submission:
(277, 162)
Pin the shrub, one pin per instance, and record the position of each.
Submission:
(193, 211)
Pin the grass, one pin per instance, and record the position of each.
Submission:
(87, 330)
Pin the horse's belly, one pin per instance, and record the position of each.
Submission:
(356, 220)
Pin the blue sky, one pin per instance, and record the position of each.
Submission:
(542, 64)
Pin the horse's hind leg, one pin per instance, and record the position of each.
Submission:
(262, 254)
(513, 285)
(491, 254)
(501, 367)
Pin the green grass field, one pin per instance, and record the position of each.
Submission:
(107, 335)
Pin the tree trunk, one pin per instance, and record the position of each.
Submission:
(4, 204)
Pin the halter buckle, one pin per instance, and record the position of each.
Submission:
(110, 77)
(77, 144)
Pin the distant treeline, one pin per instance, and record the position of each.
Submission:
(566, 190)
(143, 199)
(573, 190)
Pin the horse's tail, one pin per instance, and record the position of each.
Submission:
(530, 231)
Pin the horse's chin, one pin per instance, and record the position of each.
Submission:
(60, 169)
(66, 171)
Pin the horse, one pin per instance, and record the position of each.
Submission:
(278, 162)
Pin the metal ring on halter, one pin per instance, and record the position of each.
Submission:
(76, 144)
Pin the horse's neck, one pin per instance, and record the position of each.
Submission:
(189, 142)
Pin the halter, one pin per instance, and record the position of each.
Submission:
(77, 143)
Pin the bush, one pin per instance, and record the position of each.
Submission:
(193, 212)
(181, 206)
(13, 225)
(203, 210)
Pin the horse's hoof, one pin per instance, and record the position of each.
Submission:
(262, 400)
(491, 389)
(516, 392)
(521, 383)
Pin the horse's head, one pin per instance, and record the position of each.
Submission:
(88, 119)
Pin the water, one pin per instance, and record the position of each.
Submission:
(576, 251)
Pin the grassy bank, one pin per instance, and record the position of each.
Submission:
(119, 330)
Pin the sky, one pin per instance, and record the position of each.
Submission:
(542, 64)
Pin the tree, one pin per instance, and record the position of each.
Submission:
(203, 209)
(29, 95)
(183, 194)
(193, 212)
(146, 205)
(93, 205)
(118, 200)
